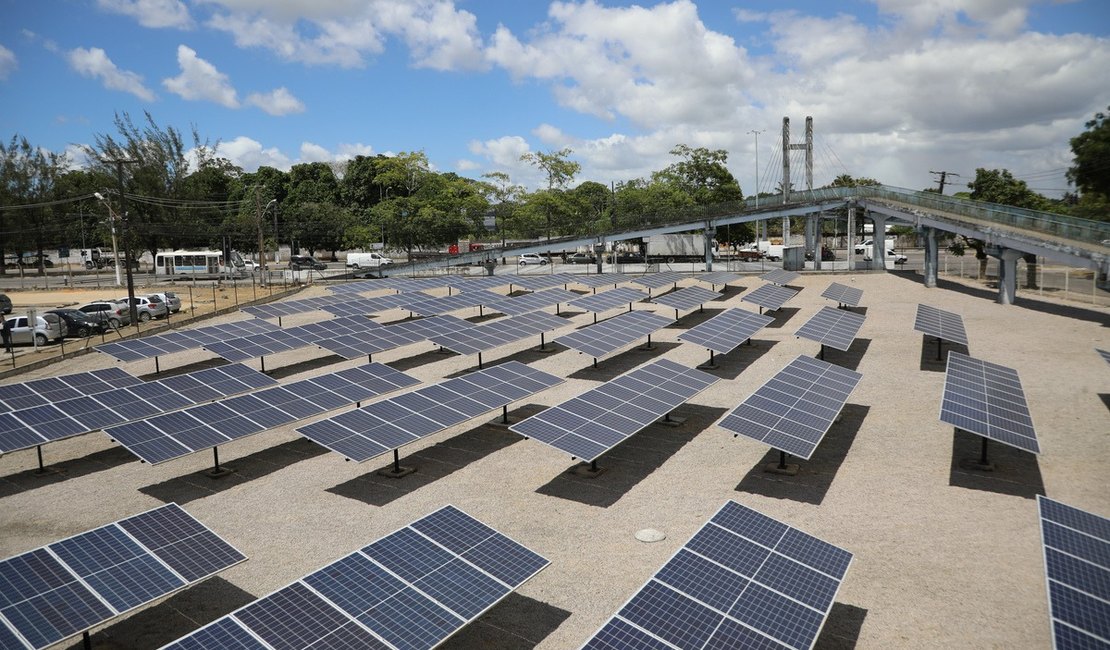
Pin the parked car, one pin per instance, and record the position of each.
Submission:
(48, 328)
(581, 258)
(171, 299)
(532, 258)
(5, 303)
(897, 258)
(108, 313)
(77, 323)
(298, 262)
(147, 307)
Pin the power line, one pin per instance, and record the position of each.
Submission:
(943, 178)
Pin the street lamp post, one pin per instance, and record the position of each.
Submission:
(261, 241)
(112, 228)
(756, 134)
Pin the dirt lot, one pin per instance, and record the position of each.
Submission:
(945, 556)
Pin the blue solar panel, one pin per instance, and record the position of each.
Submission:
(779, 276)
(530, 302)
(987, 399)
(159, 344)
(843, 294)
(539, 281)
(609, 335)
(835, 328)
(718, 277)
(14, 397)
(407, 589)
(607, 300)
(726, 330)
(438, 306)
(500, 332)
(686, 298)
(743, 580)
(72, 585)
(769, 296)
(1077, 567)
(940, 324)
(656, 280)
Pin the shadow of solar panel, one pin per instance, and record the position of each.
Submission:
(77, 583)
(408, 588)
(795, 408)
(780, 277)
(769, 296)
(987, 399)
(940, 324)
(742, 580)
(836, 328)
(686, 298)
(607, 300)
(726, 330)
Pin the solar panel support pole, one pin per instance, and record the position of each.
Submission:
(940, 355)
(649, 346)
(821, 354)
(479, 361)
(157, 369)
(86, 640)
(262, 359)
(709, 365)
(38, 450)
(505, 414)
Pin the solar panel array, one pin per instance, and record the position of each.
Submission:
(361, 286)
(656, 280)
(172, 435)
(37, 392)
(445, 304)
(72, 585)
(389, 337)
(835, 328)
(405, 285)
(1076, 548)
(744, 580)
(600, 339)
(502, 331)
(356, 306)
(780, 277)
(940, 324)
(292, 338)
(288, 307)
(463, 283)
(411, 589)
(542, 280)
(718, 277)
(795, 408)
(987, 399)
(606, 300)
(726, 330)
(49, 422)
(594, 422)
(382, 426)
(770, 296)
(534, 301)
(594, 280)
(843, 294)
(686, 298)
(149, 347)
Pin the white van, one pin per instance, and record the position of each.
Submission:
(367, 261)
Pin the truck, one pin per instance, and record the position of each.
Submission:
(367, 260)
(675, 248)
(96, 258)
(770, 248)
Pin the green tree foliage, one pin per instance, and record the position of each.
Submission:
(549, 212)
(504, 198)
(702, 174)
(28, 175)
(1090, 170)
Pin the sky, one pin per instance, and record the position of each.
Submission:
(896, 88)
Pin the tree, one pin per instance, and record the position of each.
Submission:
(504, 196)
(1000, 186)
(703, 175)
(560, 172)
(28, 175)
(1090, 170)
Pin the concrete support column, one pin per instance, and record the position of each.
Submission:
(852, 238)
(878, 252)
(931, 257)
(817, 241)
(810, 235)
(786, 231)
(708, 248)
(1007, 273)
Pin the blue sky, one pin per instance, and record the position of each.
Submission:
(896, 87)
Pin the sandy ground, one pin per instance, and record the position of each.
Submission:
(945, 557)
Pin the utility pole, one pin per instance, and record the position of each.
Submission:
(943, 179)
(119, 163)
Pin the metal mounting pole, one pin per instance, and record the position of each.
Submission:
(505, 414)
(782, 459)
(983, 454)
(87, 640)
(263, 360)
(38, 450)
(821, 354)
(541, 341)
(396, 462)
(216, 460)
(479, 361)
(593, 465)
(940, 356)
(157, 370)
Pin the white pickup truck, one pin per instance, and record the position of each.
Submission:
(367, 261)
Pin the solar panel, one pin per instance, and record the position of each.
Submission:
(656, 280)
(445, 304)
(463, 283)
(600, 339)
(835, 328)
(793, 411)
(718, 277)
(288, 307)
(1105, 355)
(607, 300)
(410, 589)
(770, 296)
(149, 347)
(541, 280)
(940, 324)
(744, 580)
(1076, 548)
(352, 305)
(173, 435)
(594, 422)
(479, 338)
(534, 301)
(987, 399)
(595, 280)
(40, 424)
(292, 338)
(779, 276)
(72, 585)
(375, 429)
(361, 286)
(37, 392)
(843, 294)
(405, 285)
(726, 330)
(686, 298)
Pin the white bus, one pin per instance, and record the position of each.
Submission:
(196, 264)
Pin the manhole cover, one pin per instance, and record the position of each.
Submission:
(650, 535)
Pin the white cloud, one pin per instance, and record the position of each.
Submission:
(250, 154)
(276, 102)
(504, 152)
(312, 152)
(94, 62)
(8, 62)
(151, 13)
(464, 165)
(200, 80)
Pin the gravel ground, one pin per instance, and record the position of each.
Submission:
(945, 556)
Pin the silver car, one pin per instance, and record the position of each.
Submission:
(48, 328)
(147, 307)
(171, 299)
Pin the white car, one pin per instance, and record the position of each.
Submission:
(897, 258)
(532, 258)
(250, 266)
